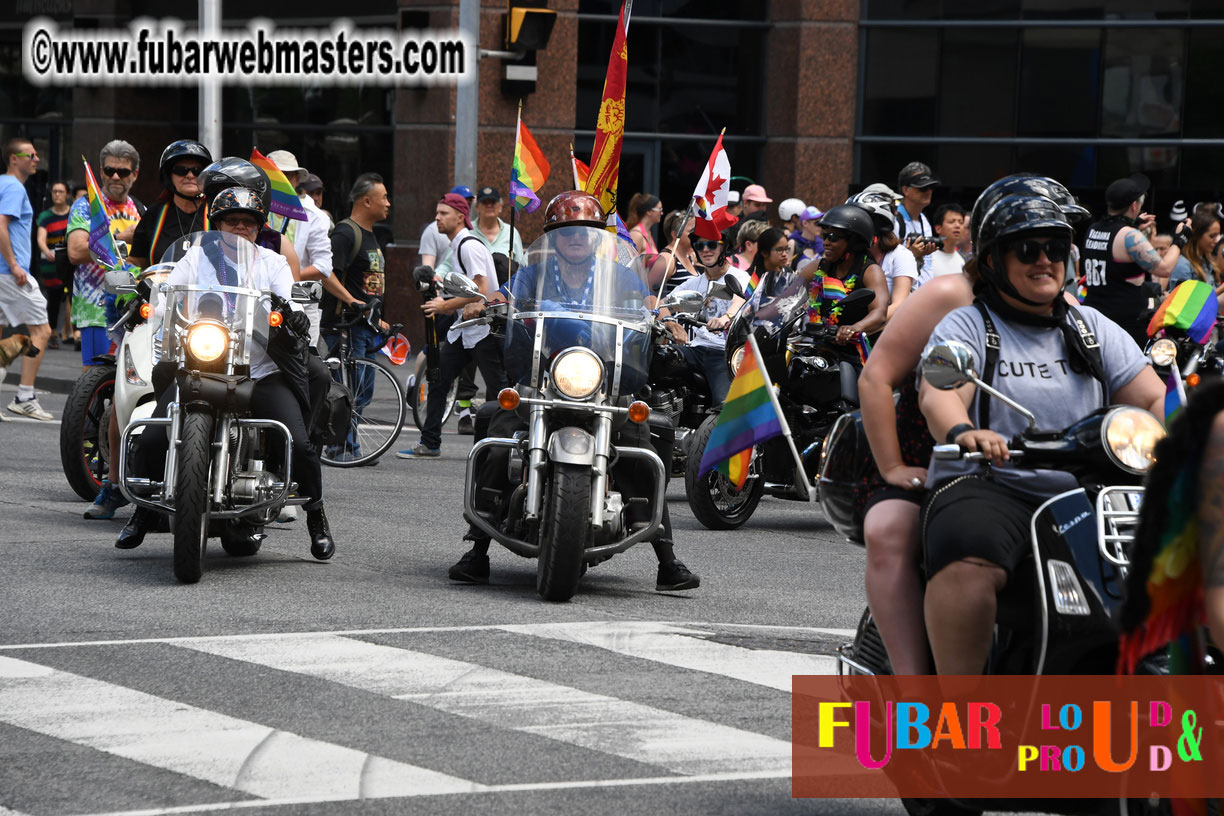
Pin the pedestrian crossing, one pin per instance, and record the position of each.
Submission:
(405, 682)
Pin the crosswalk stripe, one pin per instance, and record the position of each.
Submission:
(238, 754)
(680, 744)
(678, 646)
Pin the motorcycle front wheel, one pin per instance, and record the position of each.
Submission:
(192, 496)
(83, 430)
(715, 500)
(565, 533)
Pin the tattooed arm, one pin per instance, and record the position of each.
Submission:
(1211, 528)
(1138, 249)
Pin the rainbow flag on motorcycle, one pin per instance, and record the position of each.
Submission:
(101, 241)
(749, 417)
(1191, 307)
(529, 169)
(285, 201)
(1175, 394)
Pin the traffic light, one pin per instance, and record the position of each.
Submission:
(529, 24)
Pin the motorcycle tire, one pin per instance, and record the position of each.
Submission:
(418, 396)
(734, 506)
(565, 534)
(237, 540)
(192, 496)
(84, 428)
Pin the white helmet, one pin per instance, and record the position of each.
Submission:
(789, 208)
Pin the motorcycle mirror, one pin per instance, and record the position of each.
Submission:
(118, 282)
(307, 292)
(733, 285)
(948, 366)
(456, 284)
(687, 301)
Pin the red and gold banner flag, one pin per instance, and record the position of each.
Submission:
(610, 125)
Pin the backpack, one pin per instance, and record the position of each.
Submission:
(356, 250)
(332, 424)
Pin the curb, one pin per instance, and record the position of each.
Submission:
(52, 385)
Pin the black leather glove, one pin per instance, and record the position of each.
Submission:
(298, 323)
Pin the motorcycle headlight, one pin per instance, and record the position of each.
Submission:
(1163, 352)
(577, 373)
(207, 341)
(737, 357)
(1130, 436)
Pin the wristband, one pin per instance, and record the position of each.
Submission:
(1181, 239)
(957, 430)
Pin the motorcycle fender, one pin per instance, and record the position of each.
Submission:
(571, 446)
(849, 383)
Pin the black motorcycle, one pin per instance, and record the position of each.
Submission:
(817, 381)
(1057, 615)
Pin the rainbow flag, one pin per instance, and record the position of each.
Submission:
(285, 201)
(617, 224)
(529, 171)
(581, 171)
(833, 288)
(610, 124)
(101, 241)
(1175, 395)
(748, 417)
(1192, 307)
(753, 282)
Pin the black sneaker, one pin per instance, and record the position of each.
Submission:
(472, 568)
(466, 426)
(674, 576)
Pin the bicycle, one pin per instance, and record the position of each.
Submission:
(379, 406)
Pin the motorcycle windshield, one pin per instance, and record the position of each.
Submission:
(213, 281)
(779, 299)
(580, 288)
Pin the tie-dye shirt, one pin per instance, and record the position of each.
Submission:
(89, 299)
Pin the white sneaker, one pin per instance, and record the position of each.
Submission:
(288, 514)
(29, 408)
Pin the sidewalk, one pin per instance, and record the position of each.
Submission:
(59, 370)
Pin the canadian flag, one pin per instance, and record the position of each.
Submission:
(710, 197)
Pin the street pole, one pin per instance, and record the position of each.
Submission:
(467, 101)
(210, 86)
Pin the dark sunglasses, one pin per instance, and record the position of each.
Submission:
(705, 246)
(186, 170)
(833, 237)
(1028, 250)
(121, 172)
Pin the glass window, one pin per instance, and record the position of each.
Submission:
(1142, 84)
(882, 162)
(977, 82)
(1160, 164)
(1206, 9)
(1204, 91)
(900, 96)
(678, 9)
(1073, 166)
(980, 10)
(1059, 79)
(972, 165)
(902, 9)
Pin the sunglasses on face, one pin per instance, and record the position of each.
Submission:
(185, 170)
(706, 246)
(30, 155)
(833, 237)
(120, 172)
(240, 223)
(1028, 250)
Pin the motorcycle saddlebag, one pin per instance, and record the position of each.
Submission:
(332, 425)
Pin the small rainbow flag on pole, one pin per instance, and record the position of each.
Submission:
(1175, 394)
(285, 201)
(581, 171)
(749, 417)
(101, 241)
(1191, 307)
(529, 171)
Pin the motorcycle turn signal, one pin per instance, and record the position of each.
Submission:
(508, 399)
(639, 411)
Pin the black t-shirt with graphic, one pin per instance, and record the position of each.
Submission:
(363, 277)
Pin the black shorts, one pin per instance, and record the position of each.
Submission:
(976, 517)
(889, 493)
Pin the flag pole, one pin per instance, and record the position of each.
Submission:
(786, 432)
(510, 189)
(688, 215)
(574, 167)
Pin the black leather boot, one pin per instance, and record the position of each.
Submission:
(322, 546)
(133, 534)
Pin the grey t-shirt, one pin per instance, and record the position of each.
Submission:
(1033, 370)
(436, 244)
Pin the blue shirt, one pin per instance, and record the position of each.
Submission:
(16, 204)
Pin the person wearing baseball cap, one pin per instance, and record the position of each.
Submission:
(755, 199)
(1118, 260)
(464, 191)
(916, 181)
(503, 241)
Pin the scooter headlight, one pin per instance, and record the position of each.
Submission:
(1163, 352)
(737, 357)
(206, 342)
(577, 373)
(1130, 436)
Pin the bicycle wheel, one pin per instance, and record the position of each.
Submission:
(378, 415)
(420, 396)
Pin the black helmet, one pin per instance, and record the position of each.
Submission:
(234, 172)
(182, 149)
(239, 200)
(853, 219)
(1026, 184)
(879, 206)
(1009, 217)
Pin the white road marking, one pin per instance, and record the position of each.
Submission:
(653, 736)
(223, 750)
(14, 418)
(7, 812)
(677, 646)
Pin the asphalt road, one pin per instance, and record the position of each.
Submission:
(372, 684)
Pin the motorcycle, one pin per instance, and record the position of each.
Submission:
(817, 384)
(676, 390)
(1183, 341)
(217, 479)
(575, 358)
(1057, 615)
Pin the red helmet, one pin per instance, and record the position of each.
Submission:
(574, 208)
(397, 348)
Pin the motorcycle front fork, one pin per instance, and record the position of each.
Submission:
(537, 462)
